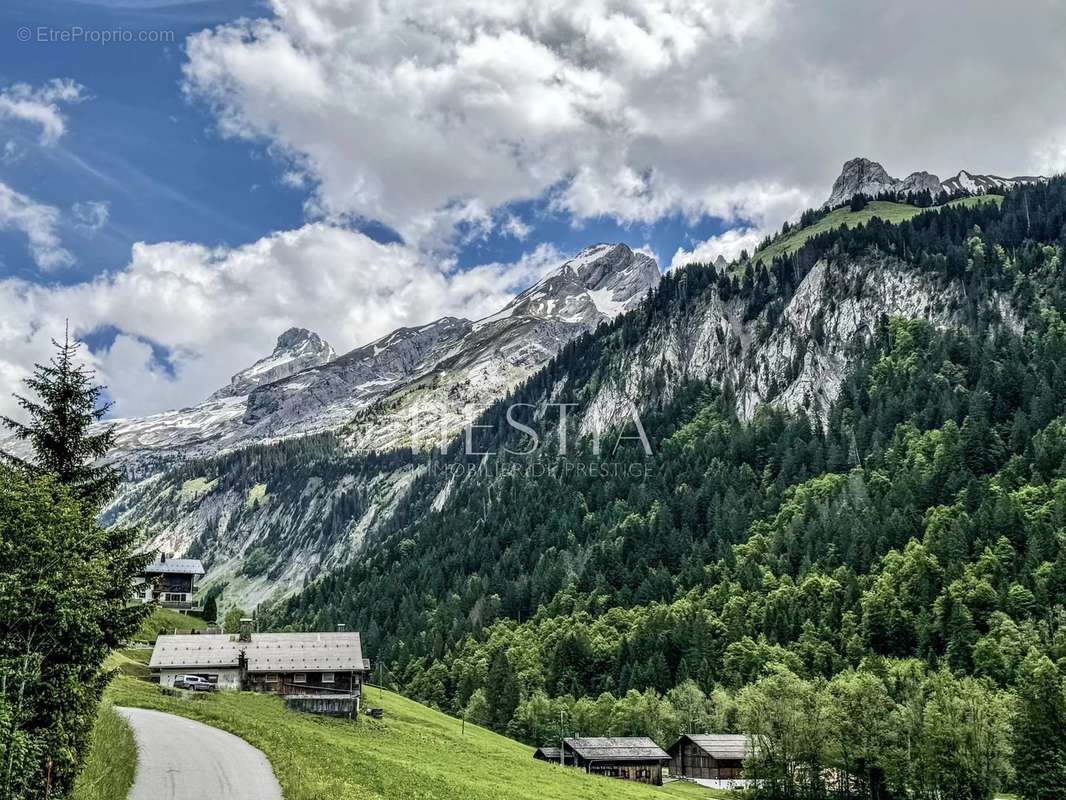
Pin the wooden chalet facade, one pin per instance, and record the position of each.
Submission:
(301, 667)
(171, 582)
(715, 757)
(635, 758)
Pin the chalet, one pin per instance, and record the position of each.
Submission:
(710, 757)
(171, 582)
(635, 758)
(317, 672)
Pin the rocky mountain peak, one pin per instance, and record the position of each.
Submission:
(296, 349)
(860, 176)
(863, 176)
(598, 283)
(299, 339)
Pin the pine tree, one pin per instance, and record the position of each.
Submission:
(501, 691)
(60, 424)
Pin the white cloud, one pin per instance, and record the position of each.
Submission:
(218, 310)
(515, 227)
(40, 106)
(728, 245)
(91, 214)
(38, 222)
(433, 114)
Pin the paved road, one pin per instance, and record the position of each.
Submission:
(179, 759)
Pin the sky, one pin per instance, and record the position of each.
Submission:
(183, 181)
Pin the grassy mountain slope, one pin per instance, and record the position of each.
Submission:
(166, 620)
(789, 243)
(414, 752)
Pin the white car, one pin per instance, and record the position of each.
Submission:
(194, 683)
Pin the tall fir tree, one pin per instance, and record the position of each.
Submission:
(59, 427)
(66, 582)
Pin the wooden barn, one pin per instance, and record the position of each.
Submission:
(717, 757)
(635, 758)
(321, 672)
(553, 755)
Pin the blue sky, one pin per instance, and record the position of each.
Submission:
(352, 166)
(139, 145)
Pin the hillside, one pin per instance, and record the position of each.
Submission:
(855, 494)
(166, 620)
(789, 243)
(414, 752)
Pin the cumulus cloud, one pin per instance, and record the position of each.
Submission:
(430, 115)
(728, 245)
(40, 106)
(217, 310)
(38, 222)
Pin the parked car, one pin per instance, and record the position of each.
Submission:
(193, 683)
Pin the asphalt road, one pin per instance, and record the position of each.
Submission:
(179, 759)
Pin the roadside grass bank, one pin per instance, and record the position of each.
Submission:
(112, 762)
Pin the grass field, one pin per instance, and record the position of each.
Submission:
(842, 217)
(112, 761)
(165, 620)
(414, 752)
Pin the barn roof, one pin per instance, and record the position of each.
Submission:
(720, 745)
(176, 566)
(617, 748)
(548, 753)
(266, 652)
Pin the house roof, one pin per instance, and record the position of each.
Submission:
(549, 753)
(629, 748)
(266, 652)
(733, 746)
(176, 566)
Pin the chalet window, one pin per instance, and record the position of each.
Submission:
(271, 677)
(299, 677)
(328, 677)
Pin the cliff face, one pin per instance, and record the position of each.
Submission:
(797, 358)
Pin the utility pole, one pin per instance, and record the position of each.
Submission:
(562, 741)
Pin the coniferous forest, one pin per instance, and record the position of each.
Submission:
(876, 593)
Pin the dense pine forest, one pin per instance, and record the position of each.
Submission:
(875, 593)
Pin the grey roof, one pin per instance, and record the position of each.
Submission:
(721, 745)
(267, 652)
(614, 748)
(176, 566)
(550, 753)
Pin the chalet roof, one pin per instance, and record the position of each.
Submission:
(733, 746)
(175, 566)
(266, 652)
(614, 748)
(549, 753)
